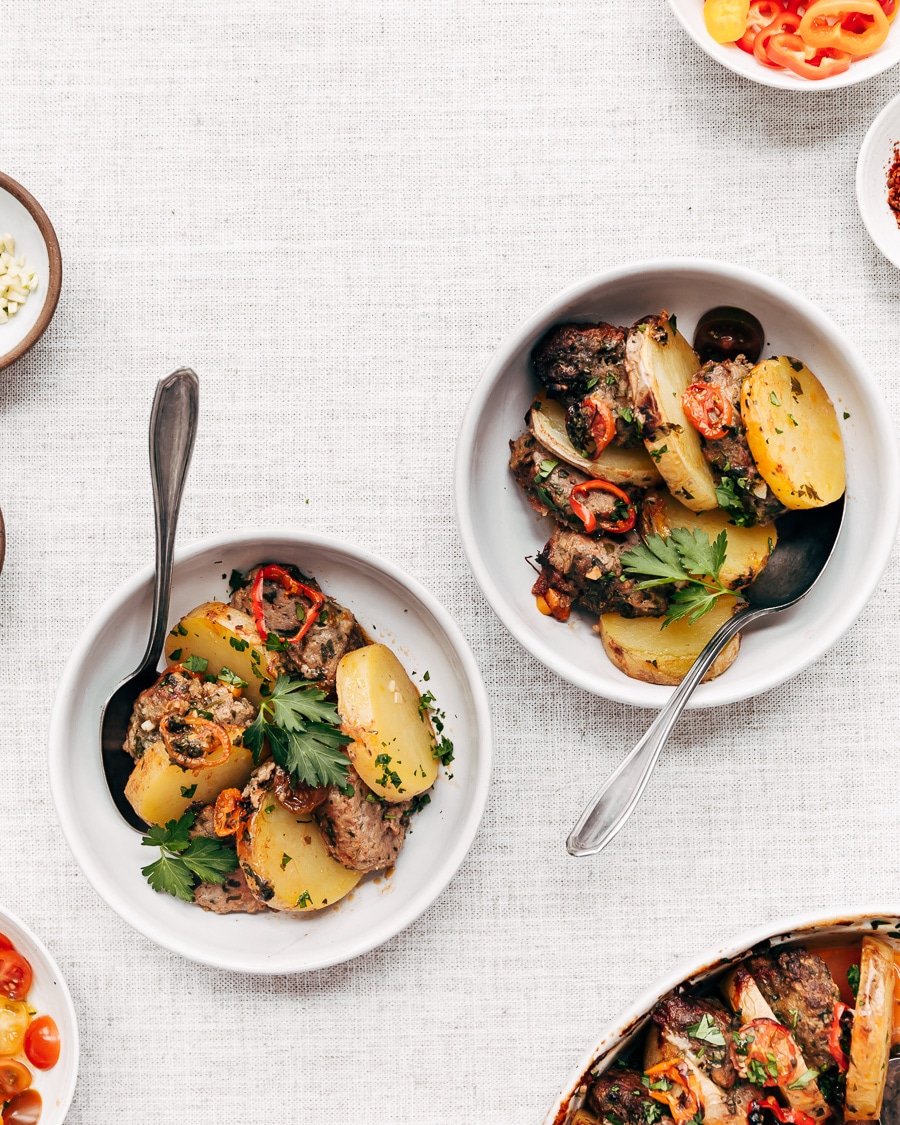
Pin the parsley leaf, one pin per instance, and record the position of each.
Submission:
(196, 664)
(545, 469)
(707, 1031)
(303, 732)
(183, 860)
(686, 558)
(853, 978)
(804, 1080)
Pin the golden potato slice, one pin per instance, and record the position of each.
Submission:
(283, 853)
(661, 365)
(793, 433)
(641, 648)
(393, 739)
(870, 1040)
(160, 790)
(225, 638)
(748, 547)
(547, 421)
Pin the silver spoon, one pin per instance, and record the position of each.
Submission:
(805, 543)
(173, 427)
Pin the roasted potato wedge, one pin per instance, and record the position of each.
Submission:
(743, 994)
(748, 547)
(661, 365)
(159, 790)
(641, 648)
(793, 433)
(286, 862)
(547, 421)
(225, 638)
(393, 739)
(870, 1041)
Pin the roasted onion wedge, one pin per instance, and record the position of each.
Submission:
(547, 421)
(743, 994)
(660, 365)
(870, 1041)
(719, 1107)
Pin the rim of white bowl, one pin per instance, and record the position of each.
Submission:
(779, 79)
(889, 111)
(634, 692)
(454, 857)
(65, 1100)
(690, 967)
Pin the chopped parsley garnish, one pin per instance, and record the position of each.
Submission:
(773, 398)
(545, 468)
(684, 557)
(853, 978)
(188, 791)
(238, 643)
(274, 643)
(657, 453)
(285, 860)
(184, 861)
(388, 775)
(305, 899)
(804, 1080)
(707, 1031)
(303, 732)
(175, 655)
(196, 663)
(727, 497)
(228, 677)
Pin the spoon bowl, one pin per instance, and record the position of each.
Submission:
(806, 541)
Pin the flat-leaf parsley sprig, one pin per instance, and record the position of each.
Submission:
(687, 558)
(303, 731)
(184, 861)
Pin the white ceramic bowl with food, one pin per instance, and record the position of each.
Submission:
(811, 929)
(35, 239)
(689, 14)
(392, 608)
(49, 996)
(500, 531)
(875, 158)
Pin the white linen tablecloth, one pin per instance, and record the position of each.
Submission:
(333, 210)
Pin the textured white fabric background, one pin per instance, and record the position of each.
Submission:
(333, 210)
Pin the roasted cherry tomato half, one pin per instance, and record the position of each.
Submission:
(726, 332)
(24, 1109)
(15, 975)
(14, 1078)
(42, 1043)
(5, 943)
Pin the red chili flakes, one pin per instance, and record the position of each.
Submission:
(893, 183)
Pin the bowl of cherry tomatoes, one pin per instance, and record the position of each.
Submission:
(38, 1030)
(796, 44)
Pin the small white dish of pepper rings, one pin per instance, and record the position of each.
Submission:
(878, 181)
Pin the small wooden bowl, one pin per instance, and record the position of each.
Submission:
(26, 220)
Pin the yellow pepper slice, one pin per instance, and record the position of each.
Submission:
(824, 27)
(726, 20)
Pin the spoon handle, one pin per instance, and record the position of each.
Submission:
(620, 793)
(173, 427)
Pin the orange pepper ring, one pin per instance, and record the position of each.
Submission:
(816, 31)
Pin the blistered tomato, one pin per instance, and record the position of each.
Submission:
(24, 1109)
(726, 20)
(14, 1078)
(15, 975)
(13, 1025)
(42, 1043)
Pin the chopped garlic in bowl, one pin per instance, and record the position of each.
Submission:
(16, 279)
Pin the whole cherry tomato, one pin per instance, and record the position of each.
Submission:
(15, 975)
(42, 1043)
(14, 1078)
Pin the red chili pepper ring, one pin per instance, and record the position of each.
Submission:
(290, 584)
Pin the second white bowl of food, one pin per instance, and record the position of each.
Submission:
(500, 532)
(392, 609)
(878, 185)
(36, 1005)
(690, 15)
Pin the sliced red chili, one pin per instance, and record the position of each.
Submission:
(785, 1116)
(601, 422)
(787, 21)
(587, 517)
(708, 409)
(789, 50)
(193, 742)
(290, 584)
(834, 1037)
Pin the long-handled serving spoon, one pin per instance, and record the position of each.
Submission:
(173, 427)
(805, 543)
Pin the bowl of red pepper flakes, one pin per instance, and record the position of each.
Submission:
(878, 181)
(796, 44)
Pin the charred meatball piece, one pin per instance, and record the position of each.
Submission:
(177, 693)
(801, 992)
(588, 572)
(233, 896)
(741, 488)
(584, 365)
(334, 632)
(620, 1097)
(680, 1015)
(362, 832)
(549, 492)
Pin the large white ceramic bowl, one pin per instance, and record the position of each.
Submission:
(499, 529)
(392, 608)
(49, 996)
(829, 927)
(690, 15)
